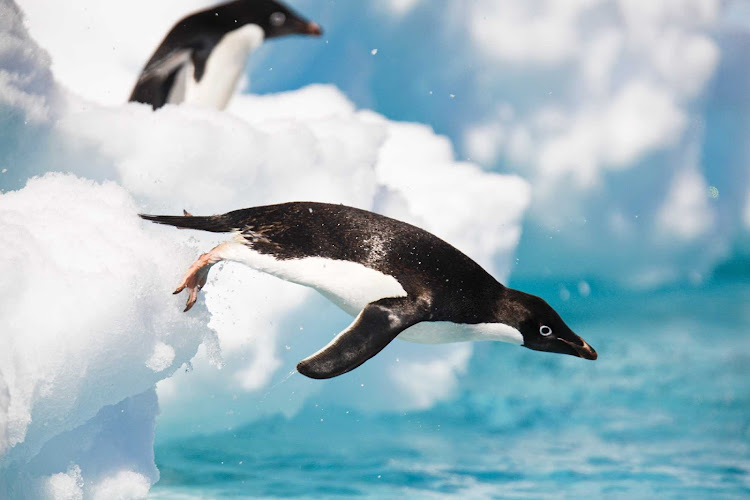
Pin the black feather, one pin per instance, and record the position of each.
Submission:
(212, 223)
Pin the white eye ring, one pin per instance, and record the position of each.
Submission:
(277, 19)
(545, 331)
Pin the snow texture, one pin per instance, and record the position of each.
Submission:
(87, 320)
(25, 80)
(85, 308)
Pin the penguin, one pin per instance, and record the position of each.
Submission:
(395, 279)
(203, 56)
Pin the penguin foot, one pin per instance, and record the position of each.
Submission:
(196, 276)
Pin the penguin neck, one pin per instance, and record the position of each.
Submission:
(495, 321)
(510, 309)
(503, 326)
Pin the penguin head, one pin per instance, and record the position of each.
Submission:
(542, 328)
(278, 20)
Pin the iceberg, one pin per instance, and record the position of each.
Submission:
(94, 344)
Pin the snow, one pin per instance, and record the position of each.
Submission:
(25, 79)
(88, 324)
(65, 486)
(161, 358)
(85, 307)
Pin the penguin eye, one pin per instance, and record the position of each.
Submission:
(545, 331)
(277, 19)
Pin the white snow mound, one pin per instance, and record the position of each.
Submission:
(88, 325)
(84, 310)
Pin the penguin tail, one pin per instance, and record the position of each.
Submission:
(212, 223)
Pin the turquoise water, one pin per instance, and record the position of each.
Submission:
(663, 413)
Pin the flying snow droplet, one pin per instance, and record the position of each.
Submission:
(161, 357)
(374, 51)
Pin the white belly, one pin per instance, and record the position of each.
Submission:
(352, 286)
(445, 332)
(349, 285)
(223, 69)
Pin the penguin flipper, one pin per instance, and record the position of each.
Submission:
(157, 78)
(376, 326)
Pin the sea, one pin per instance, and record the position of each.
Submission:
(663, 413)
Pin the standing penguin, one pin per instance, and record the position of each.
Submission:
(203, 56)
(396, 279)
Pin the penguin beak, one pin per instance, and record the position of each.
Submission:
(580, 348)
(312, 29)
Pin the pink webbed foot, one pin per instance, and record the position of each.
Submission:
(195, 277)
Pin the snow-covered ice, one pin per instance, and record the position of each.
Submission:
(87, 320)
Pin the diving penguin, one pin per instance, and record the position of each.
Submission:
(396, 279)
(203, 56)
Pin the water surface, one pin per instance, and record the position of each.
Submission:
(663, 413)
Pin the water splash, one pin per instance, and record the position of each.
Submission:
(277, 384)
